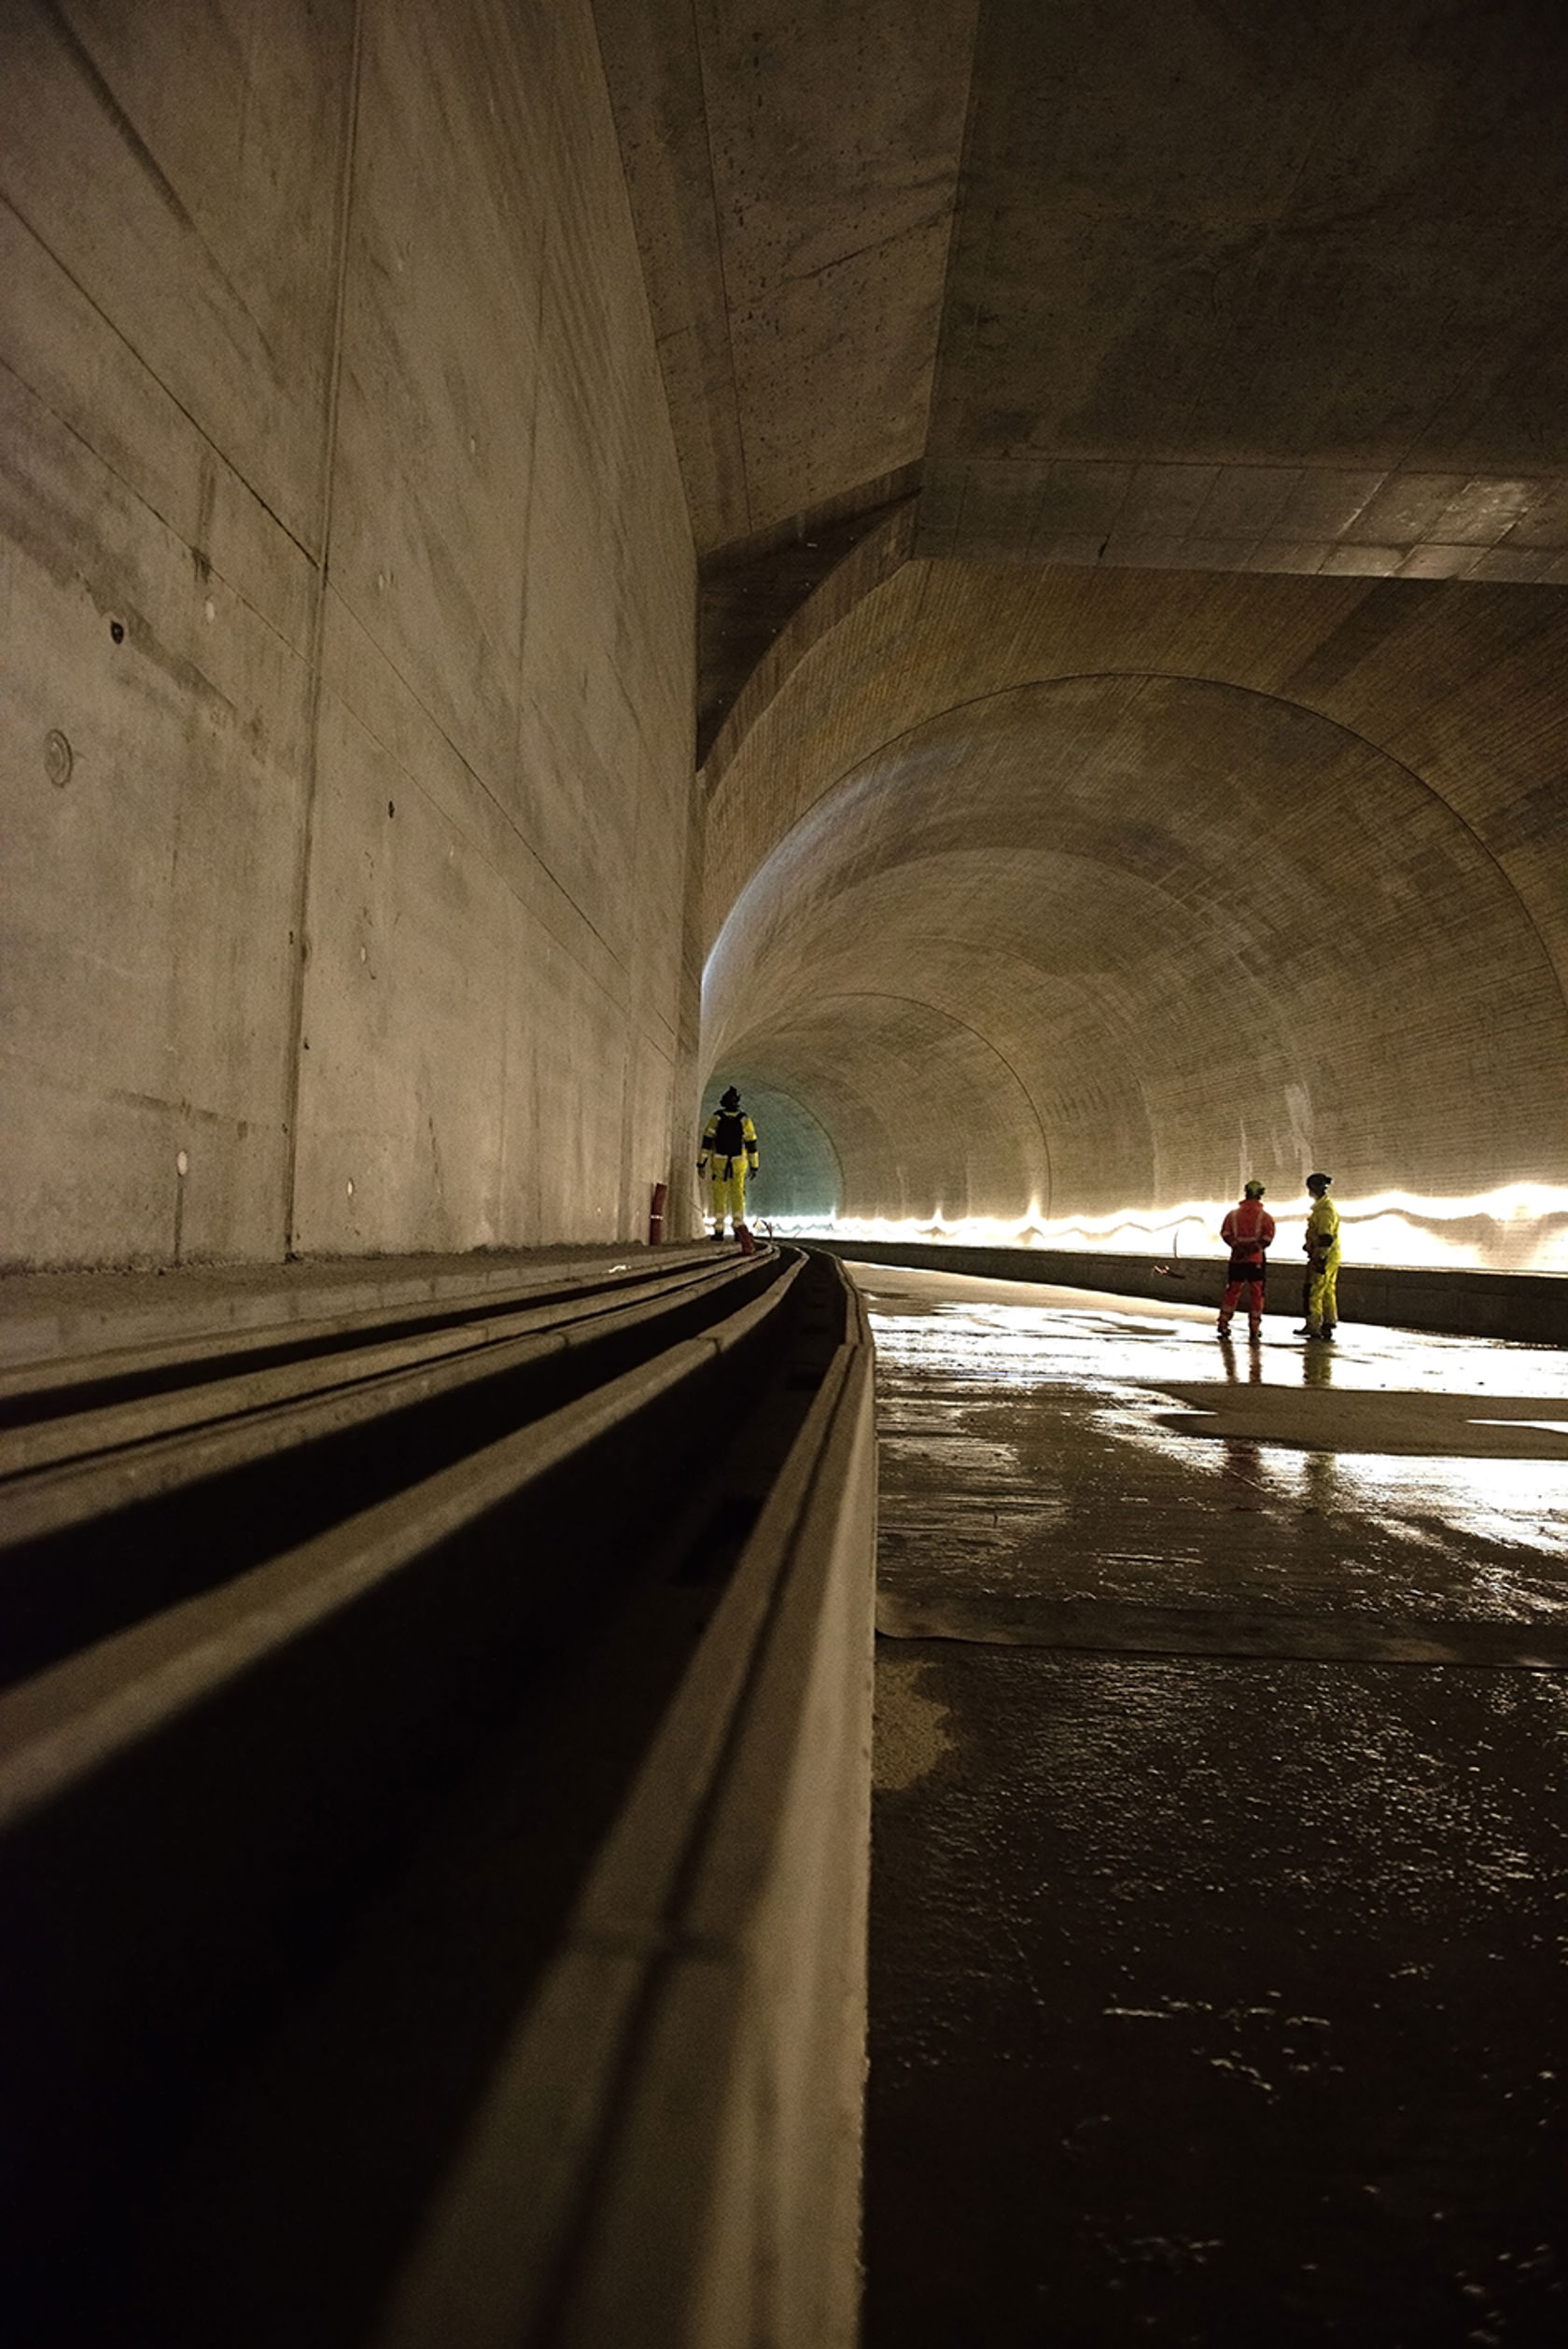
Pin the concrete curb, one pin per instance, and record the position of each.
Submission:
(1531, 1309)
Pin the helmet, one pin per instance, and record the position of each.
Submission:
(1252, 1190)
(729, 1099)
(1319, 1182)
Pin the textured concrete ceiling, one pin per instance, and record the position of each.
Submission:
(1260, 286)
(1173, 781)
(1227, 283)
(793, 172)
(1051, 889)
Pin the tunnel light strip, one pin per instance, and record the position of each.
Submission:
(1529, 1221)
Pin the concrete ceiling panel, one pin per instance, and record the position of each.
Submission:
(1320, 251)
(1215, 288)
(1320, 236)
(1441, 676)
(794, 173)
(1200, 769)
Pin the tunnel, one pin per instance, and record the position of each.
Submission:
(993, 576)
(1110, 942)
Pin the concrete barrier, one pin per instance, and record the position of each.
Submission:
(641, 1627)
(669, 2151)
(1529, 1307)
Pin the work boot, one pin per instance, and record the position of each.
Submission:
(1254, 1329)
(1223, 1328)
(1327, 1333)
(1307, 1330)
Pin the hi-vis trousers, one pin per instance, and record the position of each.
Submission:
(1322, 1294)
(729, 1192)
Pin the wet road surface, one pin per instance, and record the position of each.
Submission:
(1218, 1878)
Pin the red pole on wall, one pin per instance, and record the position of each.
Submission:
(657, 1214)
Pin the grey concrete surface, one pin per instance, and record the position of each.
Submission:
(71, 1469)
(1200, 291)
(1217, 1879)
(51, 1315)
(1176, 795)
(793, 176)
(1268, 299)
(1074, 896)
(1217, 301)
(376, 379)
(728, 2181)
(348, 710)
(520, 1994)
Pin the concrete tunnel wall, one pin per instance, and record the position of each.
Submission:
(1056, 896)
(346, 725)
(346, 734)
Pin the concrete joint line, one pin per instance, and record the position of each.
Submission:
(294, 1033)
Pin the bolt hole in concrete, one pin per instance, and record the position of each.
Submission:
(1218, 1883)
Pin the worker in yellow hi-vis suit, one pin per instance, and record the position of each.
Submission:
(729, 1155)
(1321, 1243)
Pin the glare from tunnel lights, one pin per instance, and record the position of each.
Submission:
(1391, 1227)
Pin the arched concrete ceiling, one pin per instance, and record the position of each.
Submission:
(1127, 449)
(1464, 685)
(1076, 892)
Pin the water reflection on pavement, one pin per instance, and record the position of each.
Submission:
(1218, 1888)
(1072, 1450)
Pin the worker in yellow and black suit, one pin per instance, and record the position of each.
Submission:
(1321, 1290)
(729, 1155)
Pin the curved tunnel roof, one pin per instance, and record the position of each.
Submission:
(1059, 895)
(1166, 785)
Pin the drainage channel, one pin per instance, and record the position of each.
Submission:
(308, 1773)
(109, 1514)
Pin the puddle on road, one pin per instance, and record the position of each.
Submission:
(1032, 1449)
(1216, 1897)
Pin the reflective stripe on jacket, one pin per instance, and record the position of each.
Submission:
(1248, 1229)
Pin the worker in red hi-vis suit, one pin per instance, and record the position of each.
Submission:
(1247, 1231)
